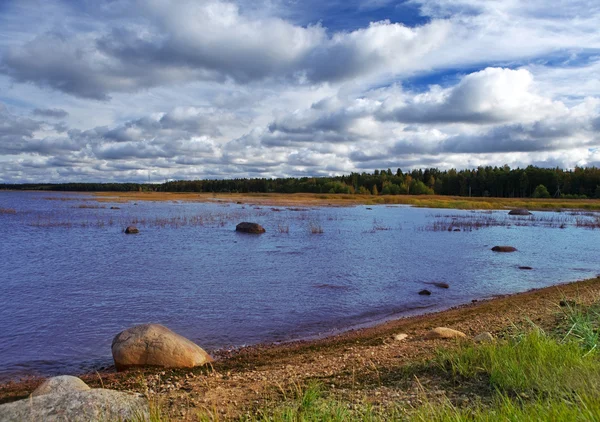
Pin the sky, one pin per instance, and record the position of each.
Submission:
(155, 90)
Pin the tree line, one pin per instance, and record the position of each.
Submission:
(581, 182)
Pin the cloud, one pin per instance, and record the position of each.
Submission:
(238, 88)
(492, 95)
(211, 41)
(52, 113)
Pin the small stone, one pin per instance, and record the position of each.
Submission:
(519, 211)
(523, 267)
(400, 337)
(444, 333)
(425, 292)
(484, 337)
(132, 230)
(504, 249)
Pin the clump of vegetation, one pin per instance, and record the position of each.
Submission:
(314, 227)
(7, 211)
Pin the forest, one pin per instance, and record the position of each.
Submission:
(530, 182)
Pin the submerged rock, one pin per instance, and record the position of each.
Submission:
(443, 332)
(504, 249)
(131, 230)
(246, 227)
(78, 406)
(519, 211)
(523, 267)
(59, 385)
(425, 292)
(155, 345)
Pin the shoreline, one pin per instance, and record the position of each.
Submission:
(242, 378)
(308, 200)
(359, 328)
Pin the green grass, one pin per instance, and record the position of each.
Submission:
(532, 364)
(579, 408)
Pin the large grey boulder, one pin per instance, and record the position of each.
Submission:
(59, 385)
(155, 345)
(78, 406)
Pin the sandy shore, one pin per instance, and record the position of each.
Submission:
(366, 365)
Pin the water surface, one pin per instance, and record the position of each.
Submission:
(70, 279)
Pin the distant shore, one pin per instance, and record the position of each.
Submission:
(351, 362)
(331, 199)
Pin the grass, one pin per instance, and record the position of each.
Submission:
(305, 199)
(533, 375)
(534, 364)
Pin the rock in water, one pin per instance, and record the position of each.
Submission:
(425, 292)
(443, 332)
(504, 249)
(59, 385)
(155, 345)
(78, 406)
(439, 284)
(132, 230)
(519, 211)
(246, 227)
(525, 268)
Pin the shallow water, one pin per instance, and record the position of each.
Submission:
(70, 280)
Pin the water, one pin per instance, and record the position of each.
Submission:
(70, 280)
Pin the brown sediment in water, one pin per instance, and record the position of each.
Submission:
(365, 365)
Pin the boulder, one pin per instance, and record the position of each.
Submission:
(246, 227)
(519, 211)
(484, 337)
(504, 249)
(425, 292)
(155, 345)
(443, 332)
(400, 337)
(78, 406)
(131, 230)
(59, 385)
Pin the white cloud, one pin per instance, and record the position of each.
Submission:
(227, 89)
